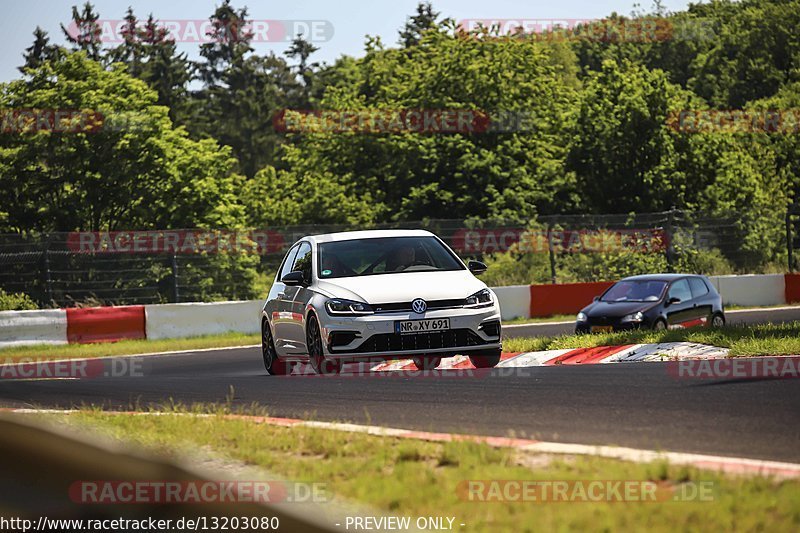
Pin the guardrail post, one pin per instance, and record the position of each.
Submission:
(552, 254)
(48, 279)
(670, 231)
(789, 240)
(175, 293)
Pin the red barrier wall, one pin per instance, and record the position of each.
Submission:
(792, 288)
(564, 299)
(104, 324)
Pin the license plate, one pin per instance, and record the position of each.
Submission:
(601, 329)
(422, 326)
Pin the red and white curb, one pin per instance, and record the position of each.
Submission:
(727, 465)
(668, 351)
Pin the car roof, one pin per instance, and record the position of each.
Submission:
(659, 277)
(367, 234)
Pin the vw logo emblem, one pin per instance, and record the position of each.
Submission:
(419, 305)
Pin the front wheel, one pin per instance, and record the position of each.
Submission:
(427, 362)
(485, 360)
(660, 325)
(717, 321)
(316, 356)
(274, 366)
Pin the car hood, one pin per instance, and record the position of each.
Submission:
(403, 287)
(618, 309)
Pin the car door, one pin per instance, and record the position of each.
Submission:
(682, 311)
(703, 301)
(276, 302)
(294, 303)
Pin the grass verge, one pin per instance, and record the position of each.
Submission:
(72, 351)
(414, 478)
(743, 341)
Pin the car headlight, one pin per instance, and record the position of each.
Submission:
(582, 317)
(634, 317)
(337, 306)
(480, 299)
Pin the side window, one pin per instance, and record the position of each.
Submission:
(699, 287)
(303, 260)
(680, 289)
(288, 262)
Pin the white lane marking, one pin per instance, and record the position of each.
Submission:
(758, 309)
(709, 462)
(529, 324)
(31, 360)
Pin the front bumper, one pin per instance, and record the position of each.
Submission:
(374, 337)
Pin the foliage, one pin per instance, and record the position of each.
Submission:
(562, 126)
(16, 301)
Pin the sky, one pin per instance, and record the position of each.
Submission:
(337, 26)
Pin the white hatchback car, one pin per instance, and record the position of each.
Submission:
(376, 295)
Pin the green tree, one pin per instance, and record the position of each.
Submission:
(513, 171)
(84, 33)
(119, 164)
(241, 91)
(623, 152)
(40, 51)
(301, 50)
(416, 25)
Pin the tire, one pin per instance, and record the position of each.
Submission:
(426, 362)
(717, 321)
(660, 325)
(316, 356)
(274, 366)
(485, 360)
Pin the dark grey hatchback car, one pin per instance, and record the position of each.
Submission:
(657, 301)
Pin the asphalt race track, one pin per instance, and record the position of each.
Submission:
(638, 405)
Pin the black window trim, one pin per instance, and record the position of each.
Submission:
(285, 258)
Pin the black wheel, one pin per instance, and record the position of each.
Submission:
(426, 362)
(485, 360)
(316, 355)
(660, 325)
(717, 321)
(274, 366)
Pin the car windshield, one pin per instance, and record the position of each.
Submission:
(635, 291)
(385, 255)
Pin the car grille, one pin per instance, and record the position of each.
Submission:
(395, 342)
(604, 321)
(406, 306)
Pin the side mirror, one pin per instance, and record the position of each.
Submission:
(476, 267)
(596, 299)
(673, 300)
(293, 278)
